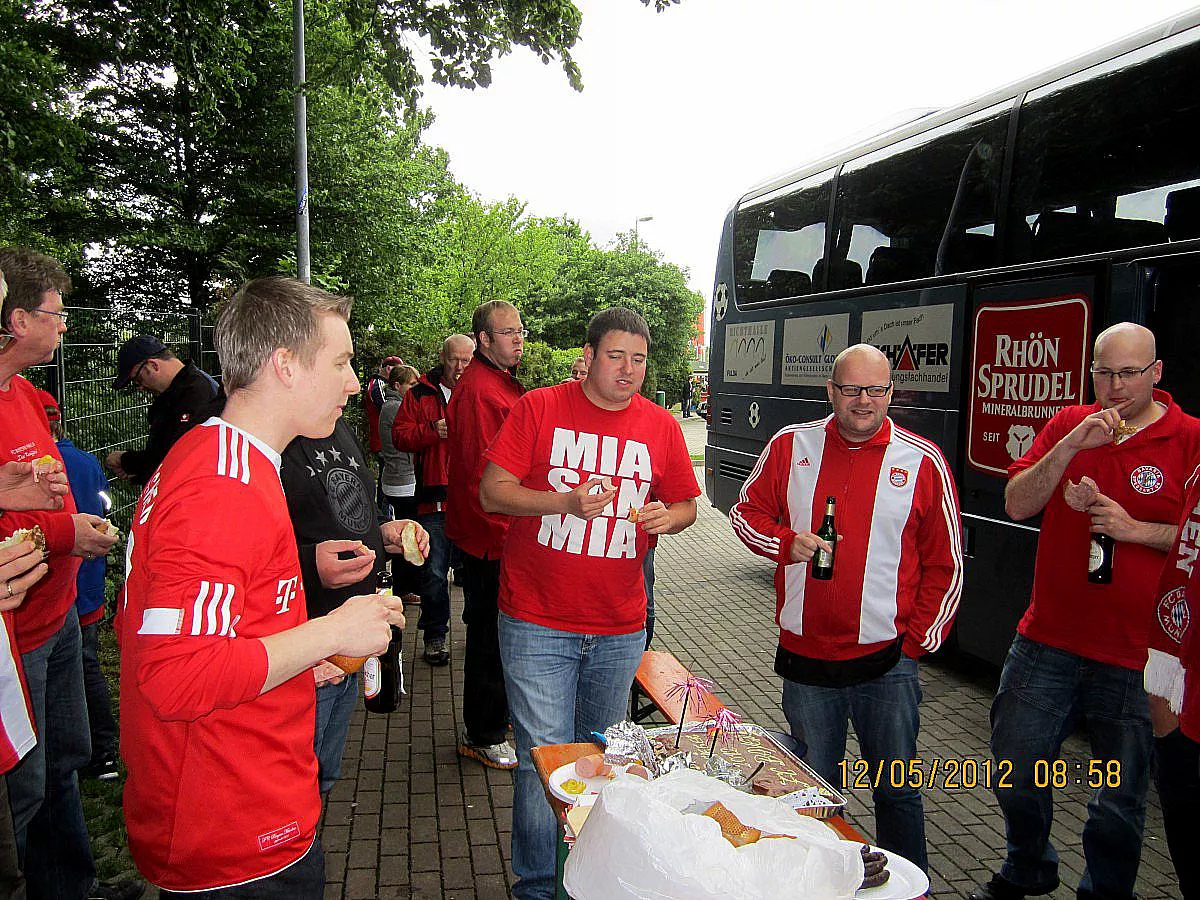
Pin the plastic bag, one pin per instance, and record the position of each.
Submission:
(637, 843)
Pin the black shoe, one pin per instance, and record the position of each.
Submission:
(436, 653)
(1003, 889)
(125, 889)
(103, 769)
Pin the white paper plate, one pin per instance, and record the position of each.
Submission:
(907, 882)
(567, 772)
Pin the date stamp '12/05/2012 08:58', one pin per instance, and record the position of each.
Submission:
(965, 774)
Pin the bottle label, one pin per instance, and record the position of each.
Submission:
(371, 680)
(822, 559)
(1095, 556)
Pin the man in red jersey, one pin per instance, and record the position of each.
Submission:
(849, 645)
(217, 687)
(1172, 680)
(43, 791)
(570, 465)
(1117, 466)
(486, 393)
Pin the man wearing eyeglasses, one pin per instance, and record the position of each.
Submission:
(479, 405)
(1116, 466)
(43, 792)
(848, 646)
(185, 396)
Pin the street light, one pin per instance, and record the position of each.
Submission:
(637, 222)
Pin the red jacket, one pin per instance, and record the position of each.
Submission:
(415, 431)
(898, 567)
(481, 401)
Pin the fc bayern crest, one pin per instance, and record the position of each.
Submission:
(898, 477)
(1146, 479)
(1173, 614)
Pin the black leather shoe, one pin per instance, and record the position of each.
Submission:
(1003, 889)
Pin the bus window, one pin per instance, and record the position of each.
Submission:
(1101, 153)
(778, 240)
(927, 205)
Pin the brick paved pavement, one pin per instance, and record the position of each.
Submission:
(412, 819)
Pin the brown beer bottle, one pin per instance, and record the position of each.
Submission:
(383, 675)
(822, 561)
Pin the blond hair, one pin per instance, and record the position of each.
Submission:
(267, 314)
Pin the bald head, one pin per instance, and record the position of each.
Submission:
(863, 353)
(1127, 337)
(456, 356)
(461, 343)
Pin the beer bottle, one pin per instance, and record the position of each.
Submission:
(383, 675)
(1100, 558)
(822, 561)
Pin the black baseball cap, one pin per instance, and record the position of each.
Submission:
(134, 351)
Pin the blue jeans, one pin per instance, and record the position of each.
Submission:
(562, 686)
(52, 839)
(886, 720)
(302, 880)
(435, 589)
(1043, 695)
(335, 708)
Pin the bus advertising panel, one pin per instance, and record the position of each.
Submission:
(917, 341)
(810, 346)
(749, 352)
(1029, 361)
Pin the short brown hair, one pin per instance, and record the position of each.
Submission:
(265, 315)
(29, 275)
(616, 318)
(481, 320)
(402, 373)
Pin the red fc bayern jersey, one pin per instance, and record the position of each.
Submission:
(1145, 474)
(561, 571)
(17, 735)
(222, 785)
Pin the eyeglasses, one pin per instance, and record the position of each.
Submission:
(1123, 374)
(510, 332)
(855, 390)
(49, 312)
(137, 371)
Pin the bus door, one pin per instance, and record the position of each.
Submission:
(1028, 354)
(1170, 307)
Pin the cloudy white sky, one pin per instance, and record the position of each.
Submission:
(683, 111)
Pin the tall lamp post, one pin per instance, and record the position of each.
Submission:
(303, 260)
(637, 222)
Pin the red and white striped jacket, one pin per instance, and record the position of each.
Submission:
(898, 567)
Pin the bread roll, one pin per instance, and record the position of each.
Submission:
(408, 541)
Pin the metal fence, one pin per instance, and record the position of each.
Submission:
(95, 417)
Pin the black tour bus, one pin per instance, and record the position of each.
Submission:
(981, 248)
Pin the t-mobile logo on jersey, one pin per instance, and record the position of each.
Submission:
(576, 457)
(285, 594)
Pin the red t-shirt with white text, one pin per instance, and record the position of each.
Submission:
(561, 571)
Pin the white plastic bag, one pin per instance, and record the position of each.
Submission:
(637, 843)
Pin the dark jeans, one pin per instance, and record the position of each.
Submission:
(485, 703)
(435, 589)
(43, 791)
(12, 882)
(886, 720)
(302, 880)
(101, 723)
(1179, 790)
(335, 708)
(1043, 695)
(648, 578)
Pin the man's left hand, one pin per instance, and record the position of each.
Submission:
(1110, 517)
(19, 490)
(654, 518)
(391, 532)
